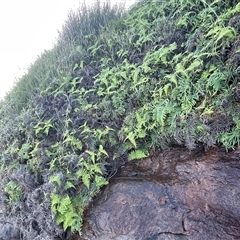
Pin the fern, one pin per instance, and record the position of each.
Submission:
(228, 14)
(221, 32)
(230, 140)
(69, 185)
(161, 110)
(137, 154)
(73, 142)
(216, 81)
(65, 213)
(132, 138)
(151, 79)
(100, 181)
(85, 176)
(55, 179)
(43, 127)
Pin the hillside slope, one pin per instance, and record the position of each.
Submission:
(116, 87)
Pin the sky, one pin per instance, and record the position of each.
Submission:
(27, 28)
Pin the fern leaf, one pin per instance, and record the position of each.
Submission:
(141, 121)
(55, 179)
(100, 181)
(68, 185)
(55, 199)
(137, 154)
(69, 219)
(64, 205)
(160, 112)
(96, 168)
(194, 65)
(102, 150)
(86, 180)
(141, 133)
(59, 219)
(166, 88)
(131, 138)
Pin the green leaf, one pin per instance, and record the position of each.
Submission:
(78, 49)
(161, 110)
(131, 138)
(55, 199)
(166, 88)
(194, 65)
(86, 180)
(68, 185)
(101, 150)
(230, 139)
(92, 155)
(141, 133)
(75, 67)
(137, 154)
(69, 220)
(55, 179)
(228, 32)
(100, 181)
(96, 168)
(64, 205)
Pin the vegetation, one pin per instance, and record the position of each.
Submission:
(13, 192)
(117, 86)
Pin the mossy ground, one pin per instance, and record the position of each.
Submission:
(117, 86)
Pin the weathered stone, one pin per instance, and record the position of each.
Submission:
(175, 195)
(9, 232)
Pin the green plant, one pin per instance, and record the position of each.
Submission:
(14, 192)
(43, 127)
(66, 214)
(25, 150)
(120, 85)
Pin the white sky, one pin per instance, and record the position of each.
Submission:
(27, 28)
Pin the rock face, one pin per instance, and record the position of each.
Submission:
(8, 231)
(173, 195)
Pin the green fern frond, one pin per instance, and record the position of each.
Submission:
(132, 138)
(138, 154)
(161, 111)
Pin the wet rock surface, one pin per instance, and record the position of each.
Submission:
(173, 195)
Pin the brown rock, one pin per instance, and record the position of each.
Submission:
(175, 195)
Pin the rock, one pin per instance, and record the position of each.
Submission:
(174, 195)
(9, 232)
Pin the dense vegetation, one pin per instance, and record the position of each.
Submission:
(117, 86)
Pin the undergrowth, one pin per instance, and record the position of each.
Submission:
(118, 85)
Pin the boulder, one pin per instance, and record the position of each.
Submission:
(172, 195)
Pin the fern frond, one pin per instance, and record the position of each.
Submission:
(161, 110)
(137, 154)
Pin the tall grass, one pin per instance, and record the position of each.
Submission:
(79, 30)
